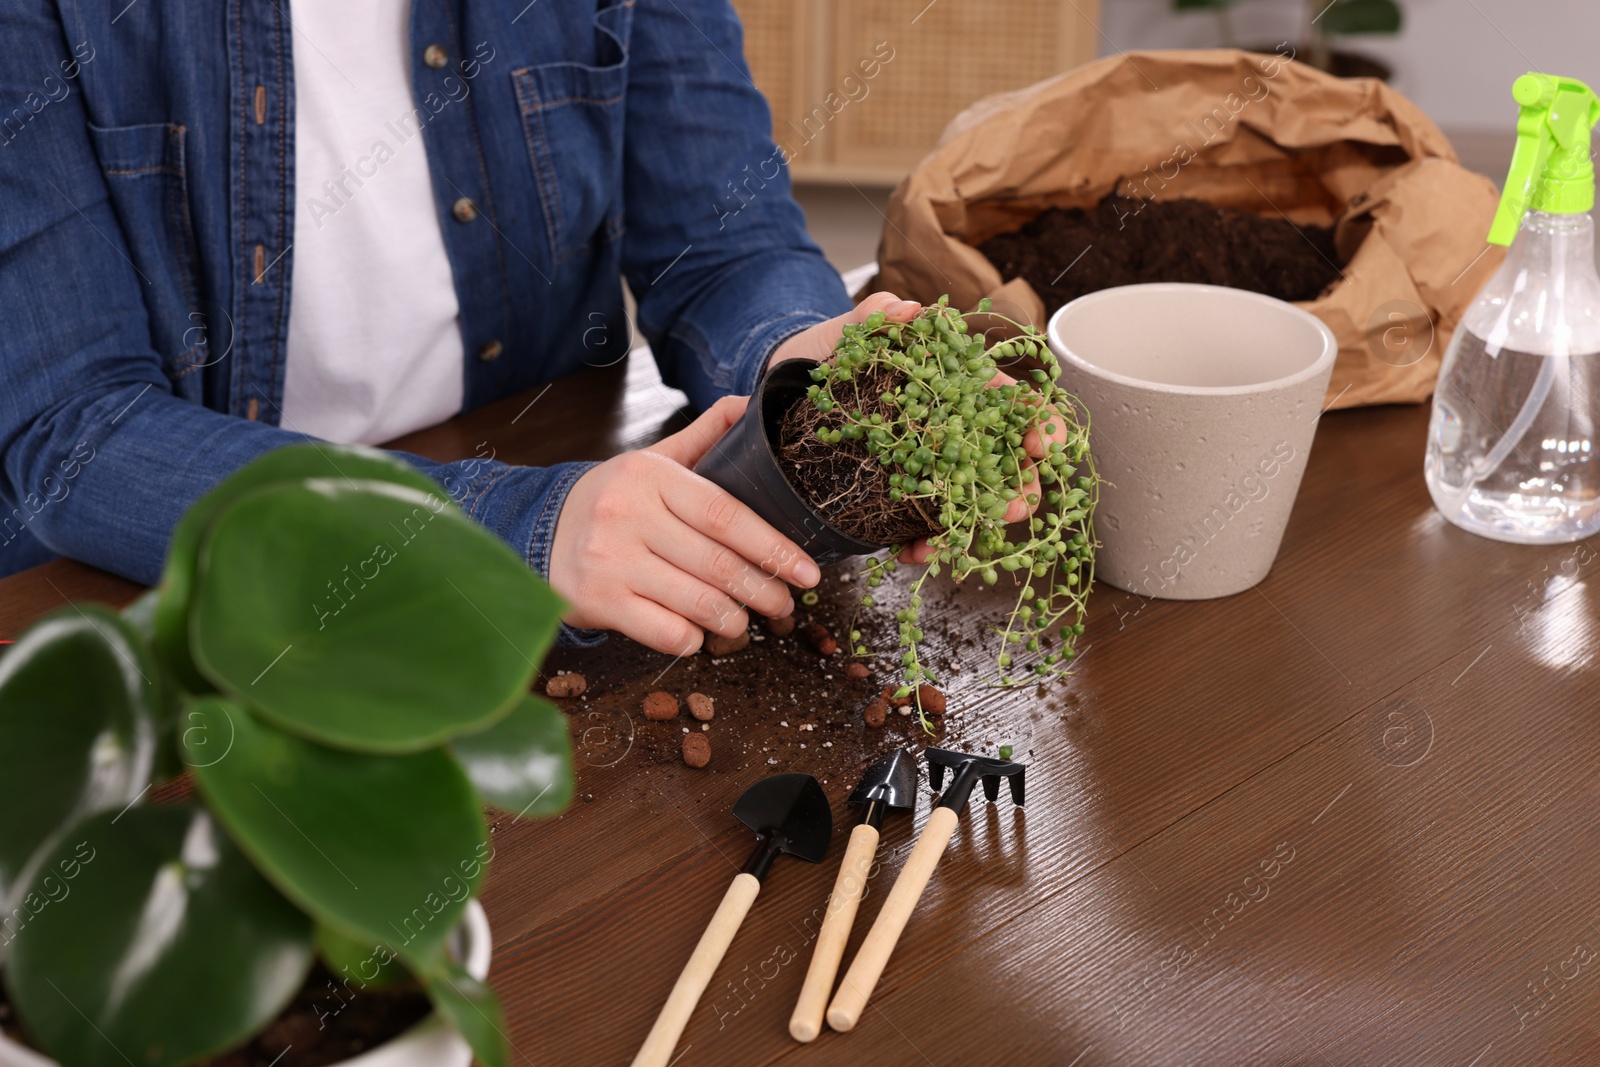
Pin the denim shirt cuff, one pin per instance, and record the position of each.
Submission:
(762, 342)
(522, 507)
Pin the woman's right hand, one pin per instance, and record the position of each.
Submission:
(648, 548)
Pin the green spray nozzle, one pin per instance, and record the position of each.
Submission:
(1551, 169)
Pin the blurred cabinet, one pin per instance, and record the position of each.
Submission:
(861, 89)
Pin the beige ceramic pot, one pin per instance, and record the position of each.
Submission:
(1203, 402)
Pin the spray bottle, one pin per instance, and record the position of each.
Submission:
(1513, 449)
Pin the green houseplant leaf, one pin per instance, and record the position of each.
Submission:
(164, 944)
(472, 1009)
(81, 705)
(523, 763)
(293, 464)
(367, 615)
(1361, 16)
(360, 961)
(384, 850)
(141, 614)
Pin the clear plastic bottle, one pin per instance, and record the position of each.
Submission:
(1513, 452)
(1514, 449)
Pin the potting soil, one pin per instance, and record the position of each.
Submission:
(1065, 253)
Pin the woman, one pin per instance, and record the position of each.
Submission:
(230, 225)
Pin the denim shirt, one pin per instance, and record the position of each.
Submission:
(147, 200)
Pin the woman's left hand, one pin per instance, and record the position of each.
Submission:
(817, 342)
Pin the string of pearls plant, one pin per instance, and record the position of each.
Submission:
(955, 446)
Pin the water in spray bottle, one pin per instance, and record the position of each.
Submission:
(1513, 452)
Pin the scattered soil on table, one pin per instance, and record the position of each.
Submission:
(318, 1027)
(1127, 240)
(843, 483)
(781, 707)
(702, 707)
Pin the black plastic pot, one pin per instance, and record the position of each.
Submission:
(745, 463)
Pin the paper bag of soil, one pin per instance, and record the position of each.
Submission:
(1256, 133)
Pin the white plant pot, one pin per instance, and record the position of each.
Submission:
(431, 1043)
(1202, 401)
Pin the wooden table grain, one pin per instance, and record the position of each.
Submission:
(1348, 817)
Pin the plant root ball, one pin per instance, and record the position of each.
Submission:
(780, 627)
(696, 750)
(718, 645)
(877, 713)
(566, 685)
(702, 707)
(659, 706)
(857, 671)
(818, 637)
(931, 699)
(843, 482)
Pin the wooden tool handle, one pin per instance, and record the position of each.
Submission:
(663, 1038)
(806, 1022)
(867, 967)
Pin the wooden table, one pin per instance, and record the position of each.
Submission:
(1349, 817)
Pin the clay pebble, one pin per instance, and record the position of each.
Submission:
(701, 706)
(718, 645)
(696, 749)
(659, 706)
(566, 685)
(818, 637)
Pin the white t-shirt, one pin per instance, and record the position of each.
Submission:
(374, 338)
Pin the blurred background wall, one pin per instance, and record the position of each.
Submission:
(860, 89)
(1455, 59)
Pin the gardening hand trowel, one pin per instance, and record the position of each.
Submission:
(789, 813)
(867, 967)
(889, 783)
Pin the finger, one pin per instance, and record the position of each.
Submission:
(1048, 429)
(720, 566)
(726, 521)
(916, 552)
(1021, 508)
(687, 596)
(1054, 427)
(893, 308)
(688, 445)
(654, 626)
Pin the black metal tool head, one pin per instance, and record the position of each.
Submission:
(891, 782)
(969, 769)
(790, 814)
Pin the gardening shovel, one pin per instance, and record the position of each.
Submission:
(789, 813)
(867, 967)
(889, 783)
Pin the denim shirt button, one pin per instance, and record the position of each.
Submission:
(464, 210)
(435, 56)
(491, 351)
